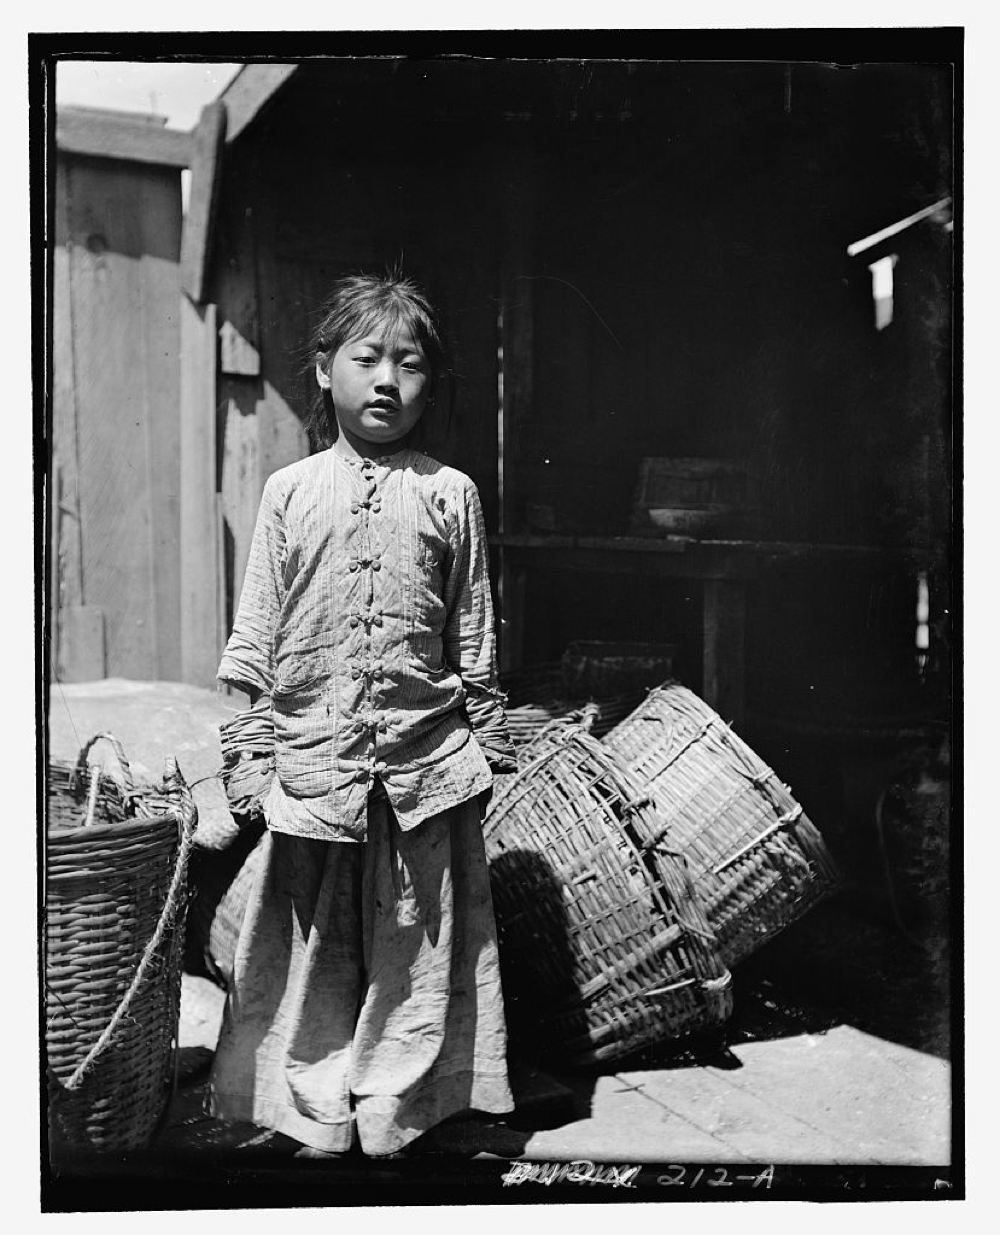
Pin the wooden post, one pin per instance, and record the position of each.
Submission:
(200, 568)
(723, 649)
(517, 341)
(221, 605)
(241, 482)
(206, 166)
(512, 632)
(53, 493)
(65, 428)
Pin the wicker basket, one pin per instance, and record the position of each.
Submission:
(115, 885)
(603, 952)
(539, 695)
(221, 887)
(756, 860)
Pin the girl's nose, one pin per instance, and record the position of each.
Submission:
(386, 376)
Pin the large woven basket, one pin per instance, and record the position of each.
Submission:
(222, 884)
(603, 952)
(115, 895)
(757, 861)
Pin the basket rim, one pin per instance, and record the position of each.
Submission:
(125, 827)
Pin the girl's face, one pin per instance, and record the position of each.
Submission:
(379, 390)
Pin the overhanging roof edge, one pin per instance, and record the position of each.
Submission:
(252, 87)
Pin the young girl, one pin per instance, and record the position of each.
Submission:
(365, 1005)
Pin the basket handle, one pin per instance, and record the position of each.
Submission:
(174, 779)
(116, 746)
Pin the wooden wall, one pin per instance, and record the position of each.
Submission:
(115, 446)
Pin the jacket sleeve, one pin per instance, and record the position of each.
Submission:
(469, 633)
(248, 661)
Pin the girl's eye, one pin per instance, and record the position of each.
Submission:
(413, 367)
(365, 359)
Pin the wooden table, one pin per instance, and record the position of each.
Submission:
(723, 568)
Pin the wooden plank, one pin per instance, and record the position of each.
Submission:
(82, 644)
(162, 221)
(242, 482)
(206, 165)
(64, 401)
(744, 1125)
(234, 267)
(723, 650)
(235, 271)
(250, 90)
(518, 243)
(235, 285)
(200, 651)
(681, 544)
(511, 609)
(628, 1124)
(113, 137)
(516, 329)
(291, 293)
(618, 1136)
(107, 297)
(238, 357)
(53, 521)
(609, 559)
(221, 605)
(883, 1102)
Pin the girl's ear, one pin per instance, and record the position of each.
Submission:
(322, 377)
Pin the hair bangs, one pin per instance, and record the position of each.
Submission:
(387, 308)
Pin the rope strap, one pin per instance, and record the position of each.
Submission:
(716, 986)
(781, 824)
(674, 986)
(710, 986)
(634, 805)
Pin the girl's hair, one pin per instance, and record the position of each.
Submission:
(362, 304)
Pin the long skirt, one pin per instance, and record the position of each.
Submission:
(365, 999)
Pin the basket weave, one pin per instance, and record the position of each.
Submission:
(115, 886)
(603, 952)
(756, 860)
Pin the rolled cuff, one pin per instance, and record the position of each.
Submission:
(484, 706)
(243, 673)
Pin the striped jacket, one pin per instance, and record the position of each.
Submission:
(366, 615)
